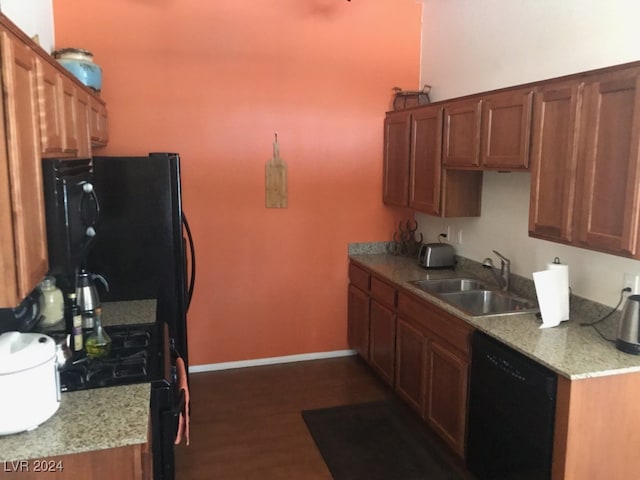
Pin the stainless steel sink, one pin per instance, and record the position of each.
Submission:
(448, 285)
(474, 298)
(489, 302)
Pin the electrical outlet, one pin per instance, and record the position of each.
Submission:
(449, 239)
(460, 236)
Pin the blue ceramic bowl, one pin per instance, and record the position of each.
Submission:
(88, 73)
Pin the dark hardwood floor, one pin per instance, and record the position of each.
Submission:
(246, 423)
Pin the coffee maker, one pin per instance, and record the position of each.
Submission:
(628, 339)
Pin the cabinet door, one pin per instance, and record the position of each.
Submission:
(397, 131)
(358, 321)
(99, 122)
(82, 128)
(410, 362)
(382, 342)
(461, 144)
(609, 178)
(556, 116)
(426, 160)
(70, 115)
(50, 108)
(446, 394)
(25, 171)
(506, 127)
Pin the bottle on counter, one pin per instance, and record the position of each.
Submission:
(77, 337)
(97, 343)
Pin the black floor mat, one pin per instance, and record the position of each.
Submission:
(376, 441)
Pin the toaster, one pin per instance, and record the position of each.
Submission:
(436, 255)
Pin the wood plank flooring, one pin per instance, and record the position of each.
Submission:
(246, 423)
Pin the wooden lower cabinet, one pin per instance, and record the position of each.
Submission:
(358, 321)
(123, 463)
(446, 394)
(597, 428)
(410, 363)
(382, 334)
(432, 367)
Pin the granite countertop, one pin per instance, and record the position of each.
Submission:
(128, 312)
(87, 420)
(92, 419)
(570, 350)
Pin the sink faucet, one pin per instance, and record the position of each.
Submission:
(505, 270)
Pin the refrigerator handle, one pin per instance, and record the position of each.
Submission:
(192, 254)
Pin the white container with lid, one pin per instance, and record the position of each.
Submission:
(29, 381)
(51, 302)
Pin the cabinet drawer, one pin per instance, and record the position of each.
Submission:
(448, 328)
(383, 292)
(359, 277)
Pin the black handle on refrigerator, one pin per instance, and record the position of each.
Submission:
(192, 254)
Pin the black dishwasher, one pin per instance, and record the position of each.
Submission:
(512, 403)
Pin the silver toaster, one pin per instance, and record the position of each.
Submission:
(436, 255)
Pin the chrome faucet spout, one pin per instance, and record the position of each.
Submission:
(505, 270)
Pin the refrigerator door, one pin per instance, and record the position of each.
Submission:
(140, 248)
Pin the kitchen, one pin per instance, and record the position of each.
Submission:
(240, 59)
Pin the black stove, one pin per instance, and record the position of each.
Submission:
(134, 358)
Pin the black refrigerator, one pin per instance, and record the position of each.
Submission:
(143, 244)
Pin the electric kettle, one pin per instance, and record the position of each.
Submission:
(629, 328)
(87, 296)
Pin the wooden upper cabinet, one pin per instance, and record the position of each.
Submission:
(99, 122)
(26, 230)
(50, 108)
(82, 126)
(461, 143)
(426, 160)
(488, 132)
(505, 132)
(397, 144)
(554, 150)
(608, 198)
(70, 115)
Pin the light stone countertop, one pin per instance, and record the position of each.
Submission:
(87, 420)
(128, 312)
(93, 419)
(570, 350)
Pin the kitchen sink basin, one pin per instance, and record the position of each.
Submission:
(448, 285)
(489, 302)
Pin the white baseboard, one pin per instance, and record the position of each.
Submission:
(303, 357)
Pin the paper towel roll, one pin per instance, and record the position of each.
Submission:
(547, 284)
(563, 288)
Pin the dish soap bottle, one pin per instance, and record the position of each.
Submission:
(98, 343)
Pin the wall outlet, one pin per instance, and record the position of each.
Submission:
(449, 239)
(460, 236)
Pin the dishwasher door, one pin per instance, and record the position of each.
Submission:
(512, 402)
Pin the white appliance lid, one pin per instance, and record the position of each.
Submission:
(22, 351)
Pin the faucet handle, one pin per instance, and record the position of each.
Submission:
(502, 257)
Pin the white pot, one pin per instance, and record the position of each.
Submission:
(29, 381)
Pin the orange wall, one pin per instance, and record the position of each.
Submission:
(213, 81)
